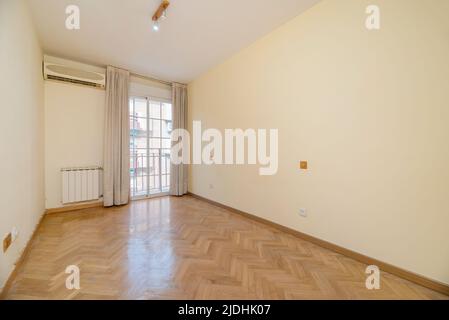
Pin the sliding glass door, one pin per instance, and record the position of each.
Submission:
(150, 129)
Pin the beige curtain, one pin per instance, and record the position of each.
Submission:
(116, 138)
(178, 175)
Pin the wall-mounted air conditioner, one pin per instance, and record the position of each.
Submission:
(73, 72)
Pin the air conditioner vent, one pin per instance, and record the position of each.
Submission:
(81, 82)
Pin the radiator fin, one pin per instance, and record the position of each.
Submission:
(81, 184)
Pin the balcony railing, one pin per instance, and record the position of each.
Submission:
(150, 173)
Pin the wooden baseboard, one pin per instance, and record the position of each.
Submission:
(386, 267)
(79, 206)
(22, 257)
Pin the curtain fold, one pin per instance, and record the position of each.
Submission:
(116, 138)
(179, 173)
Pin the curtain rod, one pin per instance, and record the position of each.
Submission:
(168, 83)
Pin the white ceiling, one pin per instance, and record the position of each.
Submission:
(196, 35)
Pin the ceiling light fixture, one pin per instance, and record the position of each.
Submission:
(161, 12)
(155, 25)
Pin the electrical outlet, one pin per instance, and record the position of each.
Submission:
(303, 212)
(7, 242)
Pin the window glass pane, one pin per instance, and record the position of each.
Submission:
(155, 128)
(168, 166)
(139, 163)
(139, 152)
(166, 128)
(131, 107)
(155, 110)
(152, 186)
(133, 183)
(166, 111)
(138, 131)
(156, 185)
(155, 143)
(140, 107)
(165, 164)
(139, 142)
(166, 143)
(165, 161)
(163, 181)
(141, 125)
(132, 165)
(154, 164)
(141, 186)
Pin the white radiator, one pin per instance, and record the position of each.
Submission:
(81, 184)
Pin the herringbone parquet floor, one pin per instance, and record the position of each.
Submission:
(184, 248)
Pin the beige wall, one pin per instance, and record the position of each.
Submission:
(367, 109)
(21, 130)
(74, 117)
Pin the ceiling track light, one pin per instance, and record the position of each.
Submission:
(161, 12)
(155, 25)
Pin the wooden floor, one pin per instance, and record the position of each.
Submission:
(184, 248)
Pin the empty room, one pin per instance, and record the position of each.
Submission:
(256, 150)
